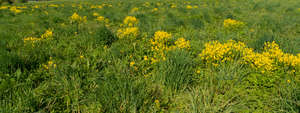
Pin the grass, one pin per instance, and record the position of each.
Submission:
(85, 66)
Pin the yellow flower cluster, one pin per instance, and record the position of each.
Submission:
(77, 19)
(96, 14)
(53, 5)
(96, 6)
(35, 6)
(49, 64)
(21, 7)
(191, 7)
(173, 5)
(146, 4)
(130, 21)
(270, 59)
(128, 29)
(135, 9)
(31, 39)
(154, 9)
(128, 32)
(161, 44)
(216, 52)
(273, 51)
(15, 10)
(182, 43)
(259, 61)
(47, 34)
(100, 18)
(3, 7)
(233, 24)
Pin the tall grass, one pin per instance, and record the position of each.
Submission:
(86, 67)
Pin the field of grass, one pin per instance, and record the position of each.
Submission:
(145, 56)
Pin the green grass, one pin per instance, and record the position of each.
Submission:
(102, 80)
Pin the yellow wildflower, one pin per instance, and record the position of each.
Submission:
(233, 24)
(36, 6)
(15, 10)
(198, 71)
(173, 5)
(131, 63)
(130, 21)
(135, 9)
(53, 5)
(31, 39)
(145, 57)
(3, 7)
(95, 14)
(146, 4)
(154, 9)
(76, 18)
(81, 56)
(47, 34)
(126, 32)
(182, 43)
(189, 7)
(100, 18)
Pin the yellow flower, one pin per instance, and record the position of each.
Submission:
(154, 9)
(22, 7)
(135, 9)
(53, 5)
(31, 39)
(47, 34)
(216, 52)
(130, 21)
(36, 6)
(198, 71)
(182, 43)
(272, 58)
(145, 58)
(156, 101)
(173, 6)
(126, 32)
(46, 67)
(15, 10)
(76, 18)
(233, 24)
(81, 57)
(189, 7)
(3, 7)
(160, 45)
(95, 14)
(100, 18)
(132, 63)
(289, 81)
(50, 62)
(146, 4)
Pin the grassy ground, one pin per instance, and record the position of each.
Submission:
(150, 56)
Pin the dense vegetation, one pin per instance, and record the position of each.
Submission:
(150, 56)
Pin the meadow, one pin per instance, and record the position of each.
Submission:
(150, 56)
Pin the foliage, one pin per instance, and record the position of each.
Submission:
(150, 56)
